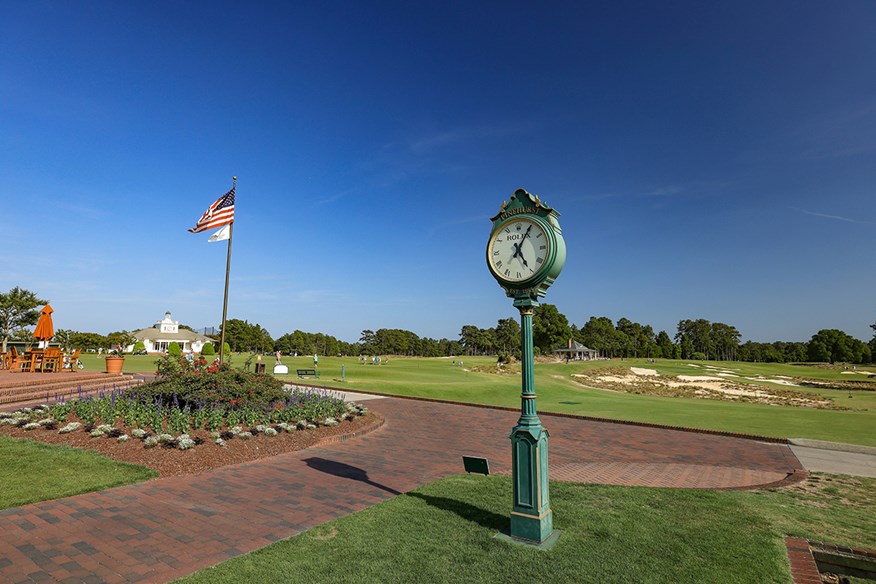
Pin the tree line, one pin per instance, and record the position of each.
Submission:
(244, 336)
(693, 339)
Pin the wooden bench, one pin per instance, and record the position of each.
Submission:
(307, 373)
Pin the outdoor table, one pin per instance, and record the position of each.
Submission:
(52, 360)
(33, 356)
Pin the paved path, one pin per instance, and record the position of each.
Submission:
(820, 459)
(166, 528)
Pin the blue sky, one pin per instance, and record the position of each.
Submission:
(709, 160)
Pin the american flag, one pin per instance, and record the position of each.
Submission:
(220, 213)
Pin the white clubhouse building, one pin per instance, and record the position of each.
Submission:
(159, 336)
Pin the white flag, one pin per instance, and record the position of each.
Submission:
(221, 234)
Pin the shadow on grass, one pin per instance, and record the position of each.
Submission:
(347, 471)
(484, 518)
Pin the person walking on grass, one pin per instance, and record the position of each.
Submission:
(315, 360)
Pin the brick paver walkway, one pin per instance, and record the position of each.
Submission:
(166, 528)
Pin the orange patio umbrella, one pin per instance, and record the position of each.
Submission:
(45, 330)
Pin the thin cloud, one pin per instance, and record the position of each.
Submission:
(436, 153)
(461, 221)
(840, 133)
(470, 133)
(84, 211)
(668, 191)
(694, 188)
(593, 197)
(835, 217)
(333, 198)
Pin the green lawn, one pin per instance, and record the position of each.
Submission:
(31, 472)
(443, 532)
(559, 392)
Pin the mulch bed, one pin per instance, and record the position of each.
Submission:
(206, 456)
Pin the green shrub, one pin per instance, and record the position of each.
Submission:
(179, 420)
(208, 350)
(139, 346)
(196, 383)
(174, 350)
(86, 411)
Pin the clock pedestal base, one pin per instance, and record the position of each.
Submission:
(531, 519)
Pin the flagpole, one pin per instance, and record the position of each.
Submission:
(227, 272)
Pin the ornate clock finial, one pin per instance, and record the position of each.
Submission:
(502, 208)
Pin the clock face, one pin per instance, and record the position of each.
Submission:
(517, 250)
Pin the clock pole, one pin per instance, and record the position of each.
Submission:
(527, 231)
(531, 517)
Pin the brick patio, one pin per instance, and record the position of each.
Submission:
(166, 528)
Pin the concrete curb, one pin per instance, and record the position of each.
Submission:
(836, 446)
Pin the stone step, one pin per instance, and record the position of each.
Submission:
(41, 395)
(32, 379)
(64, 385)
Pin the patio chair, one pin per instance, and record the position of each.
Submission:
(72, 361)
(16, 360)
(52, 360)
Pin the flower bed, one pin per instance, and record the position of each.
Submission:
(193, 417)
(190, 395)
(203, 457)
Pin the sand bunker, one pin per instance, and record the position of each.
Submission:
(783, 381)
(699, 378)
(650, 382)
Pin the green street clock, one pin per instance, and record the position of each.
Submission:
(526, 250)
(525, 253)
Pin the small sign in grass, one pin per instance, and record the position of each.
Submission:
(476, 464)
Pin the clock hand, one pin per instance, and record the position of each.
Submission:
(519, 247)
(518, 251)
